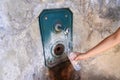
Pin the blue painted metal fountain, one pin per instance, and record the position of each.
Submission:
(56, 34)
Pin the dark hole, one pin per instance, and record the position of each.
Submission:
(59, 49)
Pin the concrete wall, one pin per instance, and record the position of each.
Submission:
(21, 55)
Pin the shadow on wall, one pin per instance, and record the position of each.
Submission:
(109, 9)
(111, 13)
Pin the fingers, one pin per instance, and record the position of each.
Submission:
(72, 56)
(77, 56)
(81, 56)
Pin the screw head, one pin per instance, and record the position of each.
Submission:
(46, 18)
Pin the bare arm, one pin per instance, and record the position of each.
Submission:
(107, 43)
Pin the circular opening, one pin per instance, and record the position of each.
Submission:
(59, 49)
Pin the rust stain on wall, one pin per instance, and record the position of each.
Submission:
(63, 71)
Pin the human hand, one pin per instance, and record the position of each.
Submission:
(78, 56)
(75, 63)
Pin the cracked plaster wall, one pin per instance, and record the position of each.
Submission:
(20, 43)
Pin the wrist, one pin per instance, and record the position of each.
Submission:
(86, 55)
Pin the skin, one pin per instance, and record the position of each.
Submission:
(105, 44)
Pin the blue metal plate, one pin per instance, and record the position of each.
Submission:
(56, 34)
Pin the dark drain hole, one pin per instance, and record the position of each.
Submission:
(59, 49)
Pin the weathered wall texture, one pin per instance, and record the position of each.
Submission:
(20, 43)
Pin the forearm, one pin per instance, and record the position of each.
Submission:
(107, 43)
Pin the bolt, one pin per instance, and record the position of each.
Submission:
(66, 16)
(46, 18)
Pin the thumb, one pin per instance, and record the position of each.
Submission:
(80, 57)
(77, 58)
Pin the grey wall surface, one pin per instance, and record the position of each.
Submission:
(21, 55)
